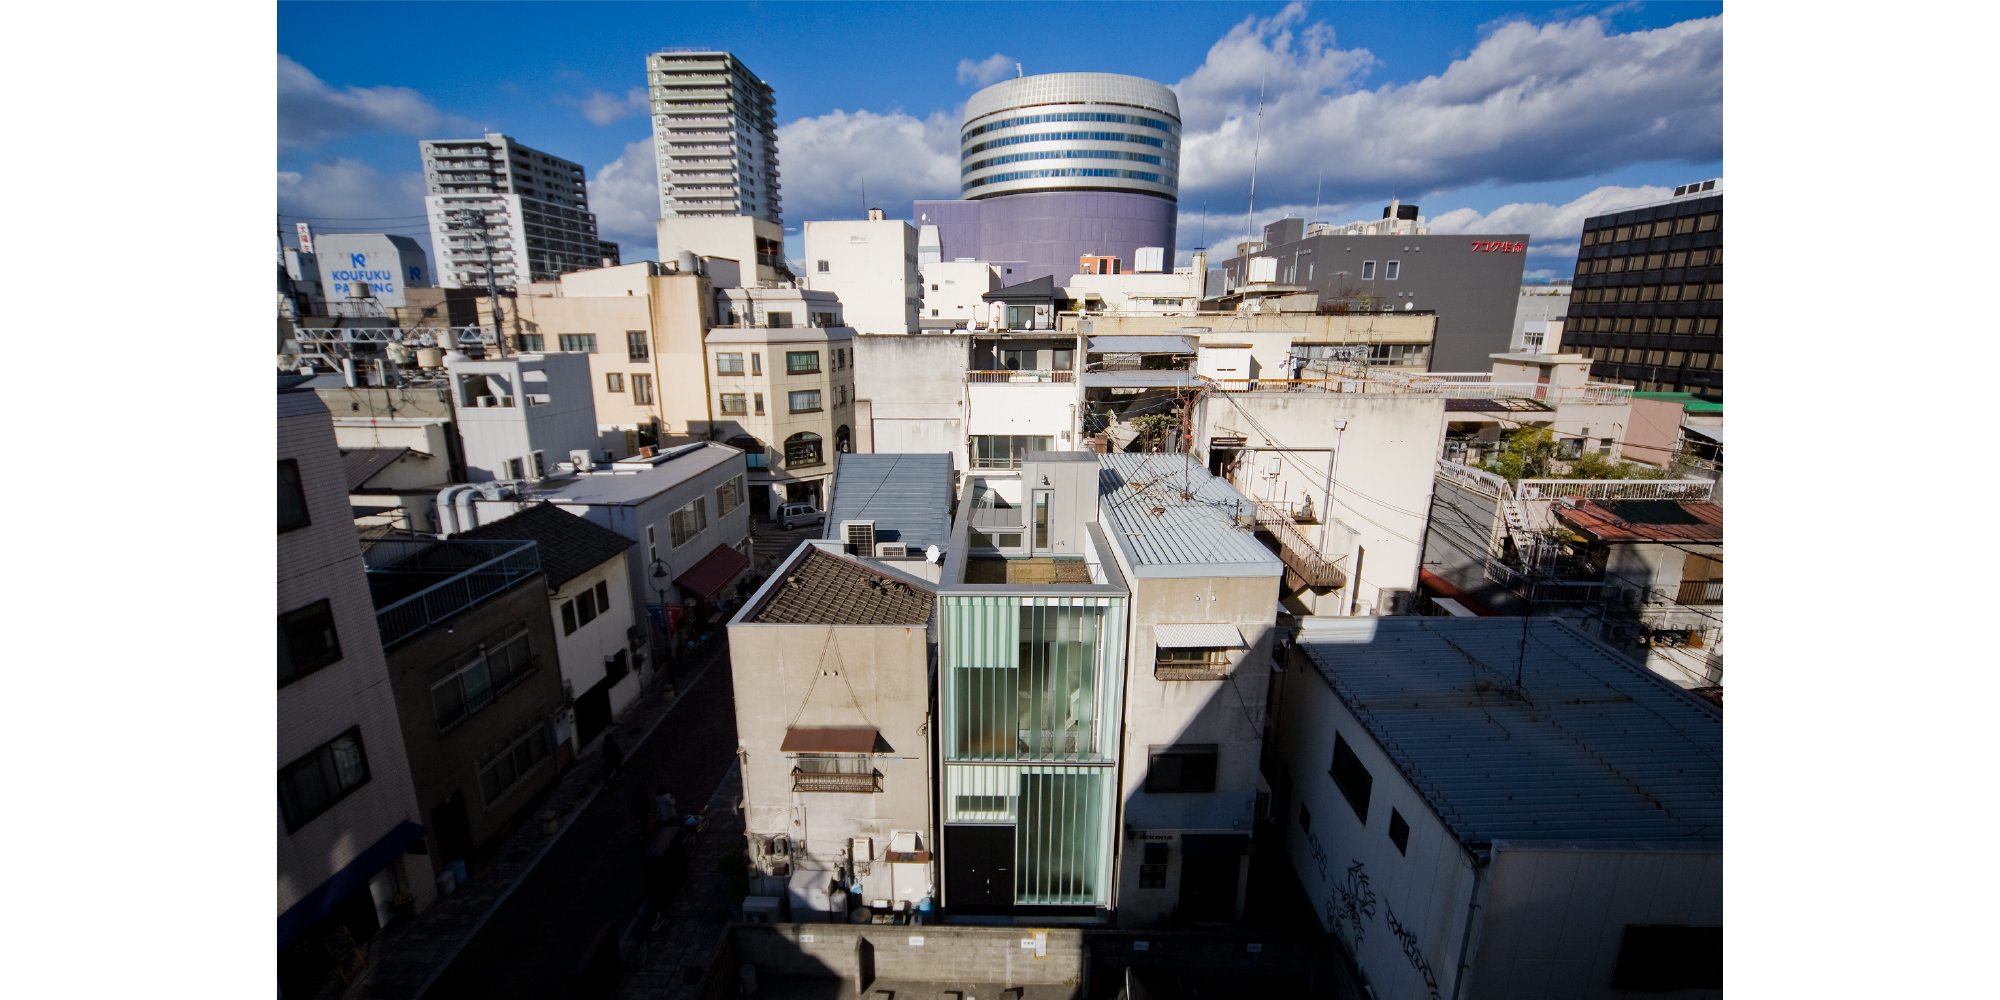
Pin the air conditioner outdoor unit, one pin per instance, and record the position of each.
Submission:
(488, 401)
(859, 535)
(894, 550)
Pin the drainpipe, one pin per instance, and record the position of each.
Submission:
(1332, 473)
(1482, 887)
(447, 516)
(468, 515)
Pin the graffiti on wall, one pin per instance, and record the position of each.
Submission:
(1411, 950)
(1351, 900)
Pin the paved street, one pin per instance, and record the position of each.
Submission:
(592, 874)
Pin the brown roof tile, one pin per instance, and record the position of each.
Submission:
(825, 589)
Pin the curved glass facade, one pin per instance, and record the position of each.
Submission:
(1015, 115)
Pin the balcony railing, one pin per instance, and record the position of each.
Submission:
(1298, 553)
(1615, 489)
(1190, 672)
(1020, 376)
(1699, 592)
(465, 573)
(813, 781)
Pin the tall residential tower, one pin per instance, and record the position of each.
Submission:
(715, 133)
(537, 214)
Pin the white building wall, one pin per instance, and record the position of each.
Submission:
(495, 434)
(959, 286)
(871, 265)
(1046, 408)
(582, 652)
(322, 561)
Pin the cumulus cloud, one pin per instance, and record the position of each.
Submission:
(984, 72)
(604, 109)
(311, 112)
(828, 160)
(1529, 103)
(625, 196)
(344, 189)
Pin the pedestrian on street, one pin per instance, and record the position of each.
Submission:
(664, 809)
(642, 809)
(614, 761)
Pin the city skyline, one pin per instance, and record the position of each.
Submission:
(1461, 111)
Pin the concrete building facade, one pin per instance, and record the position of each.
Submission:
(715, 134)
(523, 414)
(536, 208)
(871, 265)
(1647, 306)
(781, 367)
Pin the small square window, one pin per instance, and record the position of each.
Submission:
(307, 641)
(614, 382)
(1367, 270)
(1188, 768)
(824, 267)
(1399, 832)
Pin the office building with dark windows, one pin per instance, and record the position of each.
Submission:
(1057, 167)
(1647, 304)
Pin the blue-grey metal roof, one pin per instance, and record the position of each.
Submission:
(907, 495)
(1173, 519)
(1592, 748)
(1141, 380)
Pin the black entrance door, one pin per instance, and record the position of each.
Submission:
(979, 868)
(453, 827)
(593, 713)
(1209, 863)
(760, 502)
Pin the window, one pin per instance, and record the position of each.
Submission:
(577, 343)
(504, 768)
(1624, 233)
(1631, 294)
(934, 312)
(603, 590)
(688, 521)
(1654, 261)
(1590, 239)
(1642, 231)
(1678, 260)
(528, 343)
(1010, 540)
(823, 267)
(1713, 326)
(801, 362)
(1305, 818)
(734, 403)
(1698, 359)
(1041, 519)
(805, 401)
(778, 320)
(312, 784)
(470, 681)
(569, 617)
(307, 641)
(516, 470)
(1367, 270)
(1715, 290)
(1186, 768)
(1698, 259)
(642, 389)
(1003, 451)
(728, 496)
(825, 319)
(1670, 293)
(1399, 832)
(1354, 780)
(758, 398)
(1212, 660)
(1658, 957)
(614, 381)
(1063, 359)
(1392, 270)
(1674, 358)
(292, 511)
(1648, 293)
(756, 364)
(1685, 225)
(803, 449)
(652, 545)
(1709, 222)
(1153, 867)
(729, 364)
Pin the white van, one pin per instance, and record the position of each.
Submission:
(795, 515)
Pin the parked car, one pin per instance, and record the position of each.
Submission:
(795, 515)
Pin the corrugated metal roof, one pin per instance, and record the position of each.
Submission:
(1161, 524)
(1141, 380)
(362, 464)
(907, 495)
(1645, 520)
(1203, 636)
(1597, 749)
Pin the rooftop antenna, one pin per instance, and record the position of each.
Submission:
(1256, 145)
(1316, 189)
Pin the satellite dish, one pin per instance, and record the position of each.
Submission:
(931, 554)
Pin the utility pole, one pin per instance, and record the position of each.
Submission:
(477, 220)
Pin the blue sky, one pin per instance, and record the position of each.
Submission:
(1494, 117)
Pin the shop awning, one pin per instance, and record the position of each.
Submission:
(334, 891)
(829, 741)
(1198, 637)
(714, 571)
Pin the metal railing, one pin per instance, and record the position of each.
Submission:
(1615, 489)
(1699, 592)
(1020, 376)
(1478, 479)
(1558, 592)
(812, 781)
(417, 336)
(477, 570)
(1298, 554)
(1163, 672)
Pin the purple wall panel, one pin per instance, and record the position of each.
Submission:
(1043, 234)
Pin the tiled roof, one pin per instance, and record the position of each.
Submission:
(1590, 747)
(569, 545)
(1645, 520)
(826, 589)
(363, 463)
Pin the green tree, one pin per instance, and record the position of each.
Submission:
(1532, 453)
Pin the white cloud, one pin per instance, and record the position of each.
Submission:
(604, 109)
(311, 112)
(1529, 103)
(625, 196)
(344, 189)
(828, 161)
(986, 71)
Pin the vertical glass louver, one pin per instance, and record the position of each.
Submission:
(1030, 704)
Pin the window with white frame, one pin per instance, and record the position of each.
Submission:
(728, 496)
(1367, 270)
(578, 343)
(473, 679)
(689, 521)
(1392, 270)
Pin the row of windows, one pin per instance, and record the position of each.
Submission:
(1067, 154)
(472, 680)
(1066, 172)
(585, 608)
(1391, 271)
(796, 362)
(1068, 137)
(1072, 116)
(1648, 230)
(1651, 262)
(505, 767)
(314, 783)
(1357, 786)
(637, 345)
(642, 386)
(1652, 293)
(1697, 360)
(1646, 324)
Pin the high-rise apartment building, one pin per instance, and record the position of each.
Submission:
(1647, 304)
(715, 132)
(537, 213)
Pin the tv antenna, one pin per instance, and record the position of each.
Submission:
(1256, 146)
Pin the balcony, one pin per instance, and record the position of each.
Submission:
(811, 781)
(418, 584)
(1699, 592)
(1020, 376)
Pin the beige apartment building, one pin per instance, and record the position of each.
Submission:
(781, 370)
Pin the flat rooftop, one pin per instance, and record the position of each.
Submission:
(1172, 519)
(1590, 747)
(908, 496)
(1644, 520)
(630, 482)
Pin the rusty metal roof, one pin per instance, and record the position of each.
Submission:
(1644, 520)
(829, 741)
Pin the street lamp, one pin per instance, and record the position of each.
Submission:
(660, 588)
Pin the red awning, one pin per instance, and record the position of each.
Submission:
(713, 571)
(1445, 589)
(828, 741)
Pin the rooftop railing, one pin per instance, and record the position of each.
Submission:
(1615, 489)
(418, 336)
(1020, 376)
(465, 573)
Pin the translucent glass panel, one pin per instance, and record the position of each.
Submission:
(1062, 819)
(1031, 679)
